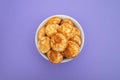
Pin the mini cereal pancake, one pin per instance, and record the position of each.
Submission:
(58, 42)
(54, 20)
(41, 32)
(72, 50)
(76, 39)
(44, 44)
(66, 20)
(77, 31)
(67, 30)
(54, 57)
(51, 29)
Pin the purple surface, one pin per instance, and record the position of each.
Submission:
(99, 59)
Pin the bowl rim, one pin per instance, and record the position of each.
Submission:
(61, 16)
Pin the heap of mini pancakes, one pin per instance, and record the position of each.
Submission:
(59, 39)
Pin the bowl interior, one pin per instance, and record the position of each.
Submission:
(62, 16)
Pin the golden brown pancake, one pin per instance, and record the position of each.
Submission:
(77, 31)
(66, 20)
(72, 50)
(51, 29)
(54, 57)
(44, 44)
(58, 42)
(54, 20)
(67, 30)
(76, 39)
(41, 32)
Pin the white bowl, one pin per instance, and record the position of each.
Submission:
(62, 16)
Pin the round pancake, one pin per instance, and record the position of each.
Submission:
(72, 50)
(77, 31)
(67, 30)
(77, 39)
(66, 20)
(54, 20)
(44, 44)
(51, 29)
(58, 42)
(41, 32)
(54, 57)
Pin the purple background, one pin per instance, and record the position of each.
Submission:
(99, 59)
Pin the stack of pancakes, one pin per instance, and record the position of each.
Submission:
(59, 39)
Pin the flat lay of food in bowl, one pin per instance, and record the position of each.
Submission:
(59, 39)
